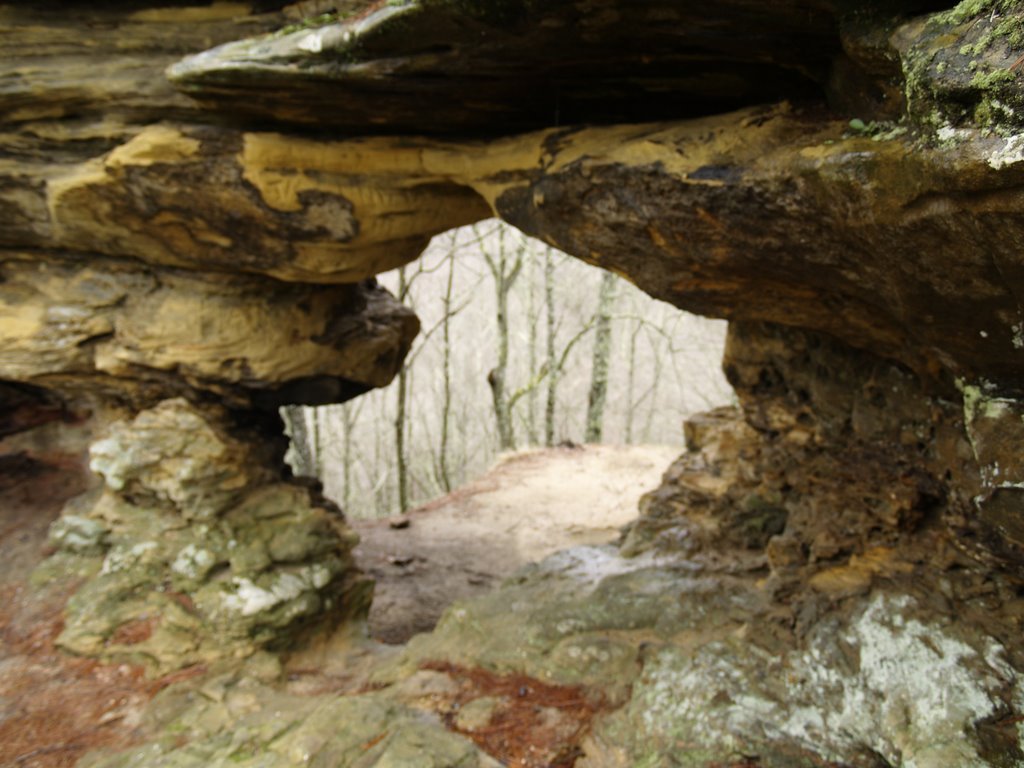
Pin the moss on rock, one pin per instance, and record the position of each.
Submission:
(202, 558)
(962, 67)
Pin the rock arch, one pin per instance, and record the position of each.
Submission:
(178, 266)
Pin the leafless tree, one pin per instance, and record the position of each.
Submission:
(438, 424)
(601, 358)
(505, 265)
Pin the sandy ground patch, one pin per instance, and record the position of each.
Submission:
(528, 506)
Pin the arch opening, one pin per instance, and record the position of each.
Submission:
(541, 399)
(663, 365)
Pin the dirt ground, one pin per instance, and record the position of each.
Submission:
(529, 505)
(54, 708)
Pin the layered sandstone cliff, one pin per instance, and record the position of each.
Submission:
(194, 200)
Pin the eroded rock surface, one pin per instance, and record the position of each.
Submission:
(405, 66)
(139, 334)
(142, 309)
(830, 574)
(198, 550)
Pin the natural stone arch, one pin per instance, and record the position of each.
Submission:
(870, 267)
(685, 349)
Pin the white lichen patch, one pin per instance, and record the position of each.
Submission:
(75, 533)
(888, 682)
(951, 136)
(193, 562)
(924, 687)
(121, 558)
(313, 42)
(101, 454)
(1010, 152)
(979, 403)
(249, 599)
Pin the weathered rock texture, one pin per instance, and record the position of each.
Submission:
(198, 550)
(407, 66)
(141, 284)
(840, 179)
(146, 333)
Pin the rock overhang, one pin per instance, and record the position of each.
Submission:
(809, 221)
(892, 233)
(464, 69)
(872, 269)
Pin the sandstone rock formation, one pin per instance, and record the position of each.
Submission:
(120, 302)
(202, 552)
(841, 180)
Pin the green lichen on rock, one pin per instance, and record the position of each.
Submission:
(697, 669)
(967, 10)
(78, 535)
(962, 67)
(574, 619)
(202, 558)
(1004, 17)
(241, 721)
(170, 594)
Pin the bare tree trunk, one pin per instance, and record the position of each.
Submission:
(302, 455)
(549, 305)
(464, 437)
(631, 384)
(401, 467)
(532, 316)
(504, 270)
(316, 442)
(444, 475)
(349, 414)
(379, 483)
(654, 396)
(602, 353)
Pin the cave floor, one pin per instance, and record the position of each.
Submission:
(53, 707)
(530, 505)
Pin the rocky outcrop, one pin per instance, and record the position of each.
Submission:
(793, 214)
(406, 66)
(196, 547)
(140, 334)
(246, 719)
(162, 292)
(840, 180)
(811, 583)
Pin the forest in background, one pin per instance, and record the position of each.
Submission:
(521, 345)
